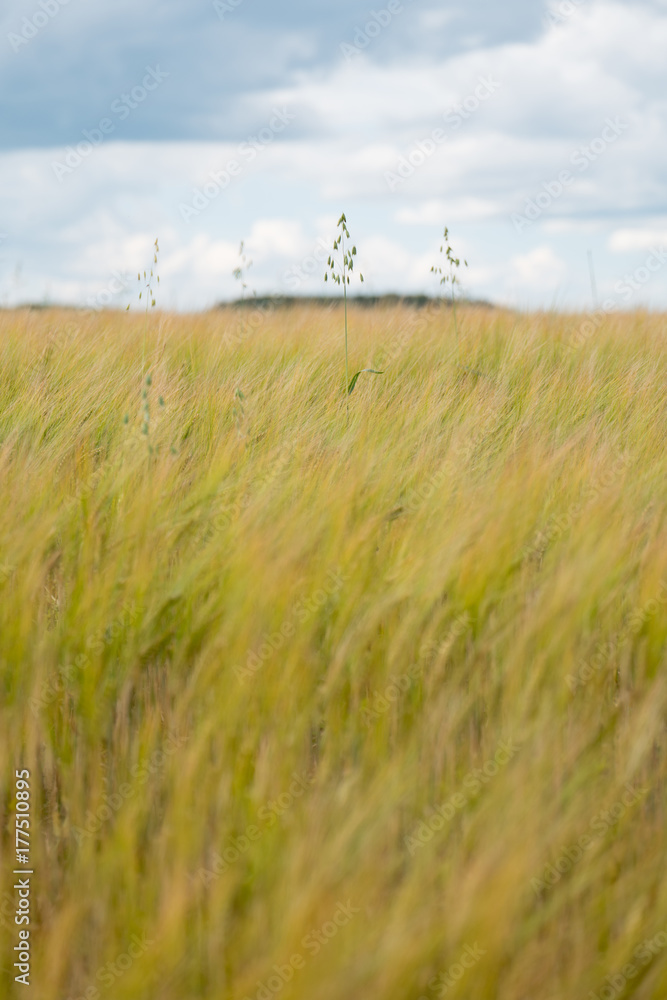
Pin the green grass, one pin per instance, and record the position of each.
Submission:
(286, 643)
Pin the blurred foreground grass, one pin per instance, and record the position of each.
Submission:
(325, 711)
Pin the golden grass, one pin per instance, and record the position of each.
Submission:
(440, 568)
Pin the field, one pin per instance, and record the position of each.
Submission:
(327, 707)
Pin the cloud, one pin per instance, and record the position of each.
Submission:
(429, 213)
(355, 122)
(539, 267)
(624, 240)
(435, 19)
(279, 237)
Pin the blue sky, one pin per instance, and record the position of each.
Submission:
(536, 133)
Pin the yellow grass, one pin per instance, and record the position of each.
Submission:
(473, 561)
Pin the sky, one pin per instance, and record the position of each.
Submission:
(535, 133)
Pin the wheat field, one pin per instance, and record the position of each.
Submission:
(318, 707)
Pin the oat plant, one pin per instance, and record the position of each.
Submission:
(147, 290)
(244, 265)
(449, 276)
(240, 273)
(340, 266)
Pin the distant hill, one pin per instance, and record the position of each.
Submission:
(367, 301)
(289, 301)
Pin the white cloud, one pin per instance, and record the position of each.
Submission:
(539, 267)
(278, 237)
(388, 265)
(429, 213)
(625, 240)
(435, 19)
